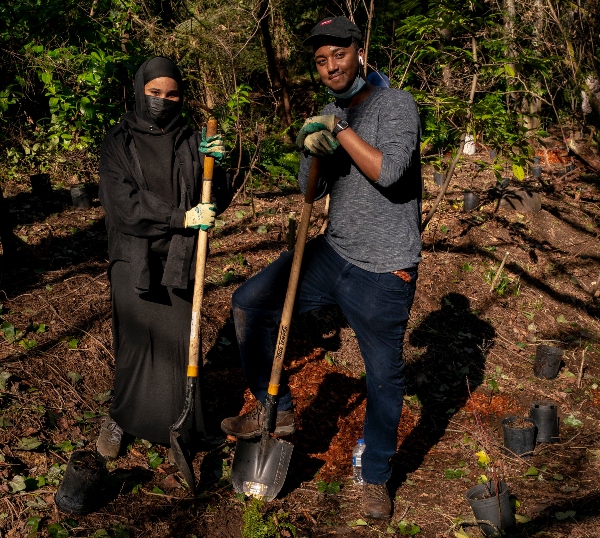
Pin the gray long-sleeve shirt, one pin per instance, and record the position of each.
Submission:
(375, 225)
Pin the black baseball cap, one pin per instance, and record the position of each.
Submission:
(339, 28)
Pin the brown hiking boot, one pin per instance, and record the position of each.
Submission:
(376, 503)
(250, 424)
(108, 444)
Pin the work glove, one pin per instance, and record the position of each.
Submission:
(320, 144)
(202, 216)
(313, 125)
(212, 146)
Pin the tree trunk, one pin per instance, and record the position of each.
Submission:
(7, 238)
(461, 146)
(282, 56)
(532, 105)
(368, 38)
(164, 10)
(276, 67)
(509, 38)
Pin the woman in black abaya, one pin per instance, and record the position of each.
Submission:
(150, 187)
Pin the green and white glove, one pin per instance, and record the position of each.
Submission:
(202, 216)
(320, 144)
(313, 125)
(212, 146)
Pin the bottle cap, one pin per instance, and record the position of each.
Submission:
(361, 441)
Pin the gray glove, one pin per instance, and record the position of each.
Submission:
(320, 144)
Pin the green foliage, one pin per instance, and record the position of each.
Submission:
(33, 524)
(331, 488)
(281, 163)
(65, 91)
(56, 530)
(408, 528)
(154, 460)
(454, 473)
(29, 443)
(258, 524)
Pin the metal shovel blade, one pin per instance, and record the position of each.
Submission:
(260, 466)
(182, 460)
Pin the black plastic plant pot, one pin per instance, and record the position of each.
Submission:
(492, 511)
(40, 185)
(439, 178)
(471, 201)
(545, 415)
(536, 171)
(547, 361)
(519, 436)
(80, 197)
(81, 490)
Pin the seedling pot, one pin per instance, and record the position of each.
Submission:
(536, 171)
(439, 178)
(547, 361)
(80, 492)
(545, 416)
(519, 435)
(80, 197)
(40, 185)
(493, 513)
(471, 201)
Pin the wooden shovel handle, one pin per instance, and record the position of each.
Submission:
(290, 296)
(194, 350)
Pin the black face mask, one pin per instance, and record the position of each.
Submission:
(162, 111)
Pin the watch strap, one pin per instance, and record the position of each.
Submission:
(339, 126)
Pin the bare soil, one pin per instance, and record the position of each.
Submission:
(469, 351)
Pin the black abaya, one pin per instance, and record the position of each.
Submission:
(151, 334)
(149, 177)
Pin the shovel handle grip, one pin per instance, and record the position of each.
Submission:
(290, 296)
(194, 349)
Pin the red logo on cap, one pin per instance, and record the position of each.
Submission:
(326, 22)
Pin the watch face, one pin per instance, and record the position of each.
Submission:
(340, 126)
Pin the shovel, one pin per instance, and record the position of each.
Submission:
(260, 465)
(182, 457)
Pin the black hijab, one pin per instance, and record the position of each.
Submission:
(155, 68)
(155, 146)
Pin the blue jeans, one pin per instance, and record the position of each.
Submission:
(377, 307)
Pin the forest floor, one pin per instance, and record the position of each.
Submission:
(56, 372)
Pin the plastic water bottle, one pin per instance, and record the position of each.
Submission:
(357, 463)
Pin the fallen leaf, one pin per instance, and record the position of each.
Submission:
(170, 483)
(522, 519)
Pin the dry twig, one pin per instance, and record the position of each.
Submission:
(581, 369)
(498, 272)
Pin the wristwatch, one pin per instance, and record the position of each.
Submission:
(339, 126)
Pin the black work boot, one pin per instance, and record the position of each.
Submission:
(376, 502)
(249, 424)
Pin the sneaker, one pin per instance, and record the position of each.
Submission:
(250, 424)
(376, 501)
(108, 444)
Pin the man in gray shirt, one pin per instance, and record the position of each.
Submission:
(368, 143)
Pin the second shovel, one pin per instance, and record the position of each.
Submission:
(260, 465)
